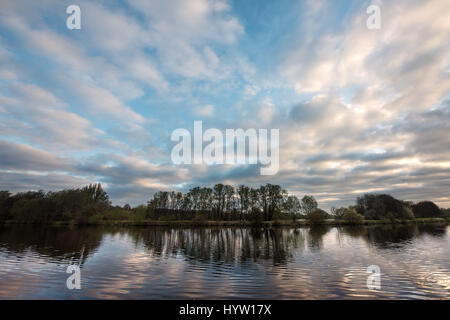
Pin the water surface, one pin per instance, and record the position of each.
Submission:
(225, 263)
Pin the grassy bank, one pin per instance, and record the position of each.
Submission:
(267, 224)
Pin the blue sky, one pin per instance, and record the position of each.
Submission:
(358, 110)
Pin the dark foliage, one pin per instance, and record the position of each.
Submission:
(382, 206)
(67, 205)
(426, 209)
(222, 202)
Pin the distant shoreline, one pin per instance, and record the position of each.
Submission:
(236, 223)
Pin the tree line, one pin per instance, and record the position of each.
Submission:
(222, 202)
(226, 202)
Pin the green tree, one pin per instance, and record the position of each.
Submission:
(292, 206)
(317, 216)
(351, 216)
(244, 199)
(426, 209)
(308, 205)
(5, 204)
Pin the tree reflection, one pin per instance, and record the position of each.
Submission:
(74, 244)
(315, 236)
(215, 244)
(225, 245)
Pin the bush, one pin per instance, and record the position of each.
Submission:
(168, 217)
(352, 217)
(317, 216)
(26, 210)
(338, 214)
(445, 213)
(278, 215)
(5, 205)
(117, 214)
(408, 213)
(95, 219)
(371, 214)
(378, 207)
(200, 217)
(391, 217)
(139, 213)
(426, 209)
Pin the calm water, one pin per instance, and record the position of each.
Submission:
(285, 263)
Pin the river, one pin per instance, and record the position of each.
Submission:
(225, 263)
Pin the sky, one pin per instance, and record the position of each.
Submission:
(358, 110)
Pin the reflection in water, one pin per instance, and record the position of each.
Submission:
(160, 263)
(56, 243)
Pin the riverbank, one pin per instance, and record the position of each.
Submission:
(238, 223)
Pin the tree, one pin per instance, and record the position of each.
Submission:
(206, 197)
(194, 195)
(5, 204)
(219, 199)
(229, 203)
(426, 209)
(379, 206)
(338, 213)
(316, 216)
(244, 199)
(351, 216)
(292, 206)
(95, 194)
(263, 200)
(256, 216)
(275, 199)
(308, 205)
(254, 198)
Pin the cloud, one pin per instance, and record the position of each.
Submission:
(15, 156)
(358, 110)
(181, 30)
(381, 59)
(37, 115)
(205, 111)
(17, 181)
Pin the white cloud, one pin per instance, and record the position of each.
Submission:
(404, 60)
(38, 116)
(205, 111)
(252, 90)
(266, 111)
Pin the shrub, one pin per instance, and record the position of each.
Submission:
(352, 217)
(317, 216)
(426, 209)
(278, 215)
(391, 217)
(338, 214)
(139, 213)
(445, 213)
(5, 204)
(116, 214)
(407, 213)
(95, 219)
(26, 210)
(378, 206)
(200, 217)
(168, 217)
